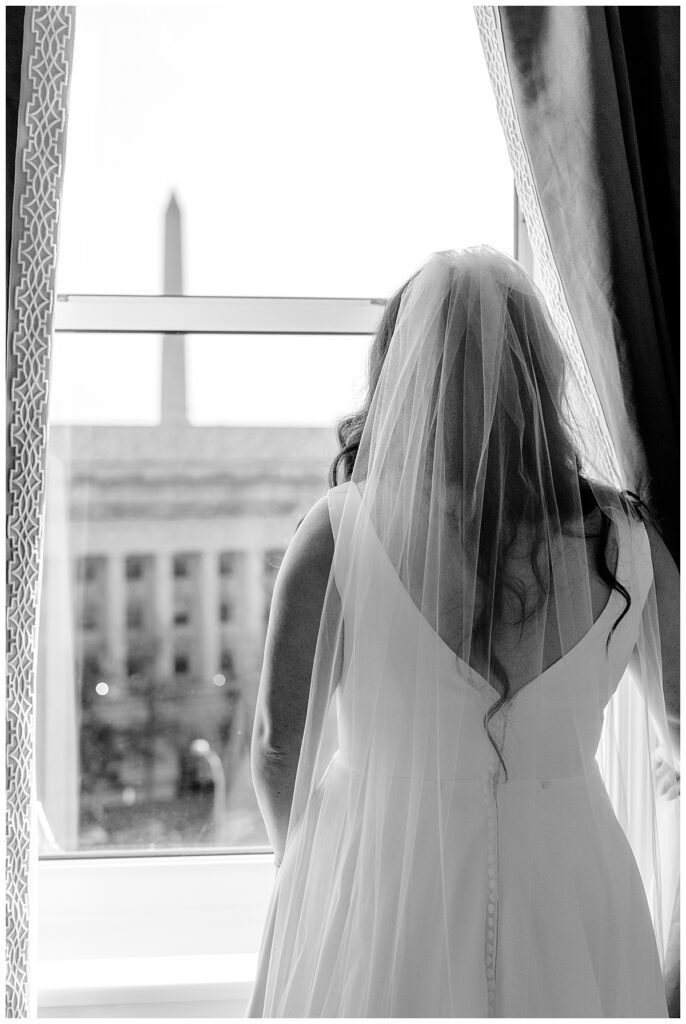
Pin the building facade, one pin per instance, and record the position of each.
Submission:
(174, 535)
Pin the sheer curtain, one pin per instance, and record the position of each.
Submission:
(40, 47)
(57, 703)
(588, 99)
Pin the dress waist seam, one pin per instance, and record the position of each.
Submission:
(341, 761)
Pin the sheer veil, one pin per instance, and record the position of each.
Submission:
(476, 485)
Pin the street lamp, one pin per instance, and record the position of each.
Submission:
(202, 748)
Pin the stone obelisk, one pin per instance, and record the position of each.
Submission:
(173, 405)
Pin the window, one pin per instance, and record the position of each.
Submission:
(134, 567)
(193, 410)
(227, 563)
(89, 617)
(227, 667)
(90, 669)
(135, 666)
(181, 566)
(135, 616)
(87, 569)
(181, 664)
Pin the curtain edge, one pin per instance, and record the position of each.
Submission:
(490, 30)
(46, 73)
(15, 18)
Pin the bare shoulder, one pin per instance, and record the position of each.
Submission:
(667, 594)
(311, 549)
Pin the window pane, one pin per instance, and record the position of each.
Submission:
(161, 548)
(314, 148)
(255, 380)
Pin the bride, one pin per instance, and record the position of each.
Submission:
(467, 725)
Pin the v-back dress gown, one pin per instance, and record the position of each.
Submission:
(541, 921)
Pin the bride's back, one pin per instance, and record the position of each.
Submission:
(476, 478)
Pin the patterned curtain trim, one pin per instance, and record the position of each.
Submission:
(490, 30)
(41, 131)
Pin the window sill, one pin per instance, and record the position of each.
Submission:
(135, 986)
(148, 936)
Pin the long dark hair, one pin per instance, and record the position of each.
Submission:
(568, 478)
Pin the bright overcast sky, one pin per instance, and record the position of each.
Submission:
(314, 148)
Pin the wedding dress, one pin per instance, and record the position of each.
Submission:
(451, 853)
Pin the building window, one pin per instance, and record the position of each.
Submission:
(89, 617)
(135, 616)
(134, 567)
(225, 611)
(181, 664)
(182, 567)
(87, 569)
(91, 668)
(134, 666)
(182, 617)
(227, 665)
(227, 563)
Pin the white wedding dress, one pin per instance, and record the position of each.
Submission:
(528, 916)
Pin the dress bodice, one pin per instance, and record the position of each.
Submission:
(549, 729)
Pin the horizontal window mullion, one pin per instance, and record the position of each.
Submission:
(172, 314)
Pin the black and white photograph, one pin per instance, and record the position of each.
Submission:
(343, 480)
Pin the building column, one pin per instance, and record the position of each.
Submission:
(116, 616)
(163, 610)
(208, 580)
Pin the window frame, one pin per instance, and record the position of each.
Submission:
(205, 887)
(211, 314)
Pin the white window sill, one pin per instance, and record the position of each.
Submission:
(134, 985)
(145, 937)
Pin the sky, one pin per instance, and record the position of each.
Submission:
(314, 149)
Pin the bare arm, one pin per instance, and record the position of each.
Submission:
(666, 577)
(287, 668)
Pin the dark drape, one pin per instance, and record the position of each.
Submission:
(596, 90)
(14, 41)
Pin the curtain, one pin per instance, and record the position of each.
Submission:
(588, 98)
(14, 38)
(595, 92)
(46, 36)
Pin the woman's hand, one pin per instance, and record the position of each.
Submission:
(667, 774)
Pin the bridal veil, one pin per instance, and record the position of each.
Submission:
(478, 476)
